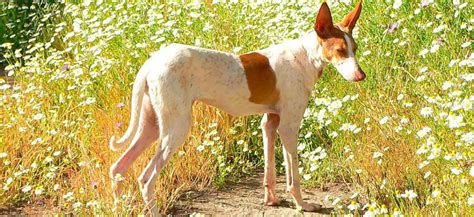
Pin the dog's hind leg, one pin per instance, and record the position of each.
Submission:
(269, 125)
(175, 123)
(147, 133)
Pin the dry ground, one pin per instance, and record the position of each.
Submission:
(245, 198)
(242, 198)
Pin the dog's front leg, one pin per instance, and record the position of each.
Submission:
(288, 131)
(269, 125)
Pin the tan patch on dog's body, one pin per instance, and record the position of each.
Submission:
(261, 78)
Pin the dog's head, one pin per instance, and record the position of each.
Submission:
(338, 46)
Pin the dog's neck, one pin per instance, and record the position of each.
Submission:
(309, 54)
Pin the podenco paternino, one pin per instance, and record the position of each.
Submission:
(276, 81)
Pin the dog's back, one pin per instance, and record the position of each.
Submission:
(209, 76)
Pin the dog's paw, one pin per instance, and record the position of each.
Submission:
(272, 202)
(308, 207)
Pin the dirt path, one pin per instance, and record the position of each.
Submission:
(245, 198)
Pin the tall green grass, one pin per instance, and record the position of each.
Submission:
(403, 137)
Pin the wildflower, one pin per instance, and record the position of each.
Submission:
(423, 164)
(200, 148)
(334, 105)
(468, 77)
(455, 171)
(384, 120)
(466, 44)
(354, 195)
(423, 52)
(463, 5)
(435, 152)
(69, 196)
(455, 121)
(434, 48)
(426, 111)
(393, 27)
(120, 105)
(423, 69)
(410, 194)
(236, 50)
(439, 28)
(92, 203)
(77, 205)
(404, 121)
(447, 85)
(119, 177)
(307, 176)
(370, 213)
(335, 201)
(397, 4)
(383, 209)
(246, 147)
(34, 165)
(420, 78)
(197, 42)
(353, 206)
(50, 175)
(38, 116)
(425, 3)
(48, 159)
(37, 141)
(397, 213)
(470, 200)
(89, 100)
(39, 191)
(3, 155)
(26, 188)
(435, 193)
(301, 146)
(427, 175)
(400, 97)
(377, 155)
(423, 132)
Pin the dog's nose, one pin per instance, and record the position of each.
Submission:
(359, 75)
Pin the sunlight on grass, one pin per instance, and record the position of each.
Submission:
(403, 137)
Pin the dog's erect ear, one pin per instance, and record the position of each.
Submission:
(324, 25)
(349, 22)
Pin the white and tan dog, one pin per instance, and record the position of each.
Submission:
(276, 82)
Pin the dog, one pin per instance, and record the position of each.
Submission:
(276, 81)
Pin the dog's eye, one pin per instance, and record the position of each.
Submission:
(340, 50)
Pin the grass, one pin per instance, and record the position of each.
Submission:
(403, 137)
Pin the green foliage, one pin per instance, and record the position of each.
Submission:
(403, 137)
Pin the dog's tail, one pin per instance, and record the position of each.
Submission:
(137, 98)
